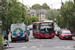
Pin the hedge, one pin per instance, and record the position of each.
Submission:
(2, 46)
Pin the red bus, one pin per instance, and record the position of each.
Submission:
(43, 29)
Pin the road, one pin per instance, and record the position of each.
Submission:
(42, 44)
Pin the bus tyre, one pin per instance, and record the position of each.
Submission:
(34, 36)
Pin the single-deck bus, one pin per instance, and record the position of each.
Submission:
(43, 29)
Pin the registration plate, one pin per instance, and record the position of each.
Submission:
(46, 37)
(66, 36)
(46, 34)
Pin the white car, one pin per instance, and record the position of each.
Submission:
(30, 27)
(5, 43)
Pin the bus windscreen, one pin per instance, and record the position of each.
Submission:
(46, 27)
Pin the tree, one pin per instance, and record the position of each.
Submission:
(12, 13)
(3, 15)
(34, 19)
(36, 6)
(45, 6)
(67, 15)
(51, 14)
(28, 20)
(17, 11)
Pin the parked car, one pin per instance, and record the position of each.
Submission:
(30, 27)
(73, 32)
(57, 30)
(65, 34)
(5, 43)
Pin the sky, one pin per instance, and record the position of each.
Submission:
(54, 4)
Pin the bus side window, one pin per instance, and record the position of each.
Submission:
(35, 28)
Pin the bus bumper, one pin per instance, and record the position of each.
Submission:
(46, 36)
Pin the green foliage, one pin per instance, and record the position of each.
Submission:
(51, 14)
(2, 48)
(14, 12)
(36, 6)
(28, 20)
(44, 6)
(3, 14)
(34, 19)
(67, 15)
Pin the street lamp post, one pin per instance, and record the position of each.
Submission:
(40, 15)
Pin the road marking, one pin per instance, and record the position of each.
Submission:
(38, 48)
(33, 47)
(34, 40)
(24, 47)
(42, 41)
(59, 47)
(69, 47)
(11, 46)
(41, 45)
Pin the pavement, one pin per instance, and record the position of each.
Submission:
(73, 37)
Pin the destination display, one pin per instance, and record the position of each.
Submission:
(46, 23)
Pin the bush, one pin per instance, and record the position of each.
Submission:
(2, 46)
(34, 19)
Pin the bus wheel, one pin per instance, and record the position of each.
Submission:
(34, 37)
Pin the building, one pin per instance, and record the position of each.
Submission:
(38, 13)
(0, 0)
